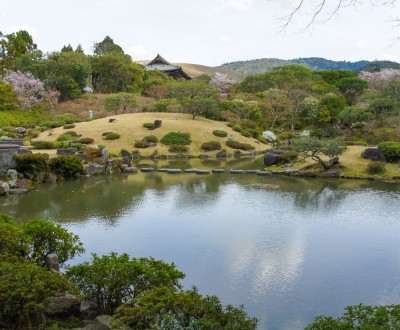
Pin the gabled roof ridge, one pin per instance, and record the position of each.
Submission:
(162, 59)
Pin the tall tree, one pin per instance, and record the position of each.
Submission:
(107, 46)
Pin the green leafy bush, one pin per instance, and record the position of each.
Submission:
(150, 126)
(178, 149)
(32, 164)
(238, 145)
(246, 134)
(211, 145)
(376, 168)
(55, 123)
(66, 167)
(391, 150)
(69, 126)
(220, 133)
(112, 136)
(67, 136)
(150, 138)
(42, 145)
(176, 138)
(142, 144)
(237, 128)
(85, 140)
(287, 157)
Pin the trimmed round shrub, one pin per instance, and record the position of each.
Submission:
(142, 144)
(237, 128)
(220, 133)
(150, 125)
(391, 150)
(67, 167)
(376, 168)
(246, 134)
(69, 126)
(287, 157)
(85, 140)
(42, 145)
(178, 149)
(112, 136)
(66, 137)
(239, 145)
(176, 138)
(55, 123)
(211, 145)
(150, 138)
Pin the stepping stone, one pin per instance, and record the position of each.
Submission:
(190, 170)
(163, 169)
(236, 171)
(174, 170)
(252, 171)
(130, 169)
(264, 173)
(200, 172)
(147, 169)
(218, 170)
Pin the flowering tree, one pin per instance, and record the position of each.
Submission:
(221, 82)
(31, 91)
(380, 79)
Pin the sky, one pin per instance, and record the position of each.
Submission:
(209, 32)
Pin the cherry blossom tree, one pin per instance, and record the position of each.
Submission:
(31, 91)
(380, 79)
(221, 82)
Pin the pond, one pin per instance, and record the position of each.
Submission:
(287, 248)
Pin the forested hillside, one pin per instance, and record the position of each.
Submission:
(257, 66)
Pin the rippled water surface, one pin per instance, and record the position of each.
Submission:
(288, 249)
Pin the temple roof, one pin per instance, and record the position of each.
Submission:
(161, 64)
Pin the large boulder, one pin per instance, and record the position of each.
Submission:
(63, 307)
(4, 188)
(92, 169)
(373, 154)
(101, 322)
(52, 263)
(65, 152)
(271, 157)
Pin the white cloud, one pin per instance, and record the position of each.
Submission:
(361, 44)
(138, 52)
(15, 28)
(240, 4)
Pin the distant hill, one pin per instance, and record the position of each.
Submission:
(253, 67)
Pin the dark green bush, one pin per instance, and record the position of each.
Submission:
(237, 128)
(66, 137)
(238, 145)
(112, 136)
(287, 157)
(220, 133)
(211, 145)
(66, 167)
(150, 125)
(42, 145)
(178, 149)
(55, 123)
(376, 168)
(391, 150)
(246, 134)
(85, 140)
(176, 138)
(150, 138)
(32, 164)
(142, 144)
(69, 126)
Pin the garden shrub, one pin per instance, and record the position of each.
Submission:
(220, 133)
(150, 138)
(142, 144)
(92, 152)
(391, 150)
(287, 157)
(239, 145)
(269, 136)
(32, 164)
(69, 126)
(112, 136)
(211, 145)
(42, 145)
(178, 149)
(150, 126)
(85, 140)
(376, 168)
(176, 138)
(55, 123)
(237, 128)
(246, 134)
(66, 167)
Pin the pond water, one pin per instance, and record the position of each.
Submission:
(287, 248)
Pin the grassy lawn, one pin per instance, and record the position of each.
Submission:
(130, 127)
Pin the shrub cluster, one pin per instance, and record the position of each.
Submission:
(246, 134)
(178, 149)
(32, 164)
(237, 128)
(376, 168)
(42, 145)
(220, 133)
(176, 138)
(287, 157)
(239, 145)
(142, 144)
(150, 138)
(211, 145)
(391, 150)
(150, 126)
(69, 126)
(112, 136)
(66, 167)
(85, 141)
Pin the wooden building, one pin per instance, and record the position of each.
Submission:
(161, 64)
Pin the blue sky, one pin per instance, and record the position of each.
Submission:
(209, 32)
